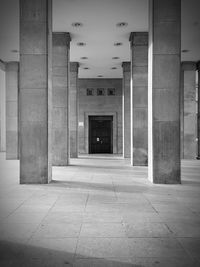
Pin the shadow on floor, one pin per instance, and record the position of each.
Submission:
(21, 255)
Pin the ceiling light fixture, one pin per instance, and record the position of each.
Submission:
(14, 51)
(122, 24)
(77, 24)
(81, 44)
(117, 44)
(115, 57)
(100, 76)
(185, 51)
(86, 68)
(84, 57)
(113, 68)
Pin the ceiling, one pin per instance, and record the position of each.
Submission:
(99, 31)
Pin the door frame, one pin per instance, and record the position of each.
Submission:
(114, 132)
(104, 118)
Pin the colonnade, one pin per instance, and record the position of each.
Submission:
(159, 97)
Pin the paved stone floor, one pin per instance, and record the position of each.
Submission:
(99, 212)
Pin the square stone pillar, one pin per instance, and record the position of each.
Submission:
(139, 96)
(12, 91)
(198, 111)
(164, 91)
(2, 106)
(126, 109)
(189, 122)
(60, 124)
(182, 114)
(35, 90)
(73, 106)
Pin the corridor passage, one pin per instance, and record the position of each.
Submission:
(99, 211)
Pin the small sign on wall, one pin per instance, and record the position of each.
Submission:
(81, 124)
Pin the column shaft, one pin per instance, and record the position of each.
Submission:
(189, 110)
(164, 91)
(182, 115)
(73, 106)
(2, 106)
(35, 90)
(126, 109)
(60, 135)
(139, 96)
(198, 111)
(12, 90)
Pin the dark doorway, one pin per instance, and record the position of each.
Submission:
(100, 134)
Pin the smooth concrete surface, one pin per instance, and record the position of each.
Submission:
(126, 109)
(189, 106)
(100, 105)
(12, 113)
(35, 90)
(100, 211)
(139, 98)
(2, 107)
(164, 91)
(60, 120)
(73, 109)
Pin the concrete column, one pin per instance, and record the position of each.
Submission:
(164, 91)
(182, 115)
(35, 90)
(189, 109)
(139, 96)
(2, 107)
(73, 106)
(198, 111)
(12, 91)
(126, 87)
(61, 44)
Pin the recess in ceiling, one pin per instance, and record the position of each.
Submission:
(81, 44)
(122, 24)
(77, 24)
(15, 51)
(117, 44)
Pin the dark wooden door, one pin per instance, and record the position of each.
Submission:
(100, 134)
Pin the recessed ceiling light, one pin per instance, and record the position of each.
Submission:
(122, 24)
(81, 44)
(115, 57)
(185, 50)
(86, 68)
(84, 57)
(100, 76)
(77, 24)
(117, 44)
(14, 51)
(113, 68)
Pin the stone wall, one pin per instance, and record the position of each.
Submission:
(189, 123)
(95, 105)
